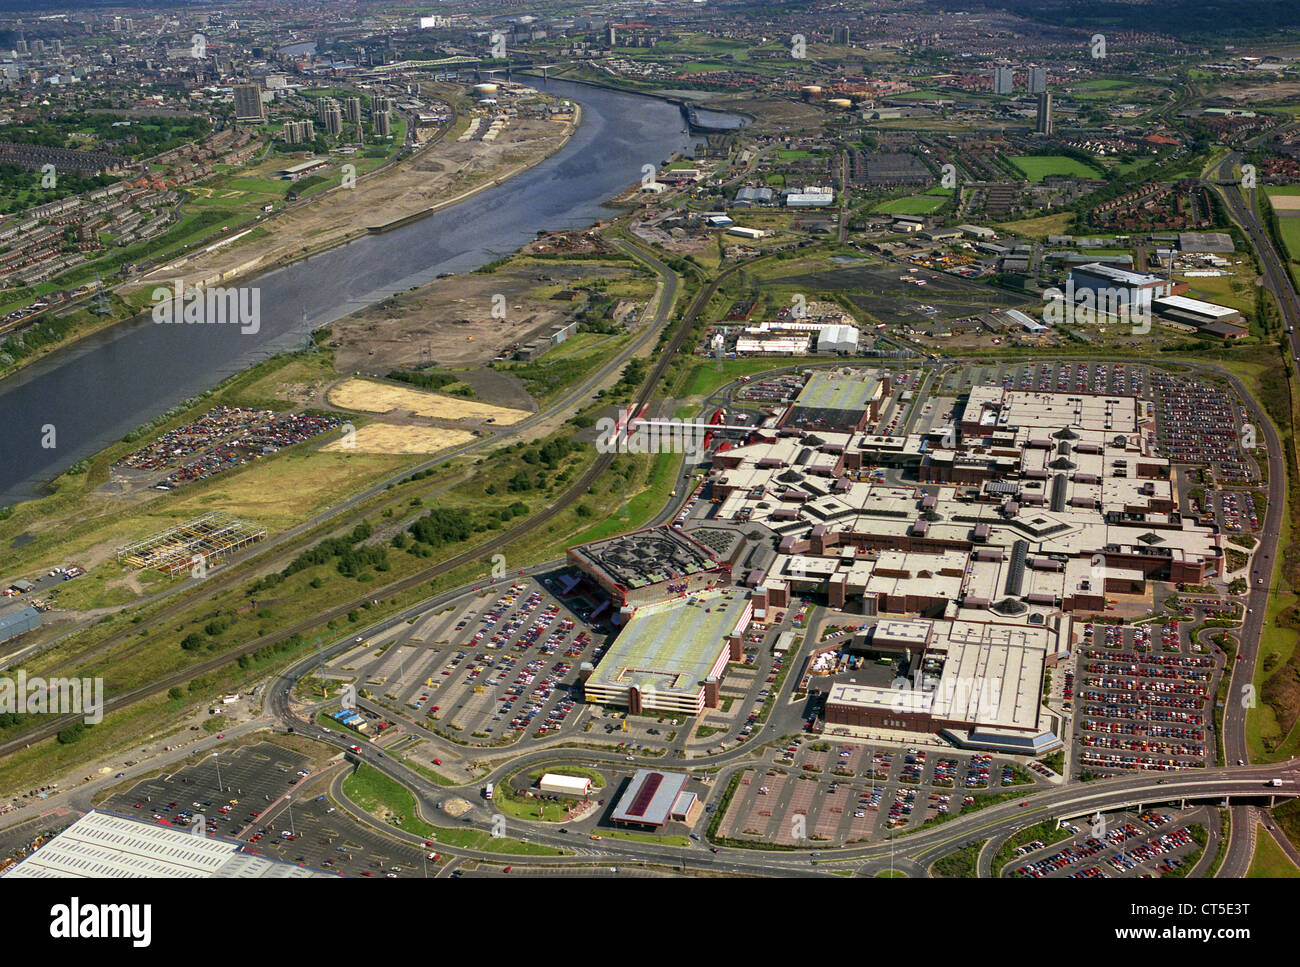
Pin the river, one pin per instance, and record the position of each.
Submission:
(91, 394)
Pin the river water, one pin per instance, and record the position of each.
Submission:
(86, 397)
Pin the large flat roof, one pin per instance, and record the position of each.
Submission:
(103, 845)
(1194, 305)
(672, 646)
(833, 391)
(992, 675)
(1122, 276)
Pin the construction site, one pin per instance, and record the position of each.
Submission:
(193, 546)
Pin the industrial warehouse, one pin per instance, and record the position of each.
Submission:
(104, 845)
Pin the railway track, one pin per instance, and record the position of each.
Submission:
(575, 492)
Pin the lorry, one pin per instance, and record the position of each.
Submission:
(1275, 782)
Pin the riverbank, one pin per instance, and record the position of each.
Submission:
(127, 375)
(231, 264)
(347, 214)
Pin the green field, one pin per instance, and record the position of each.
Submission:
(1288, 225)
(931, 201)
(389, 800)
(1100, 85)
(1290, 229)
(1270, 861)
(1038, 167)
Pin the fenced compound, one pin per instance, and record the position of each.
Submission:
(199, 543)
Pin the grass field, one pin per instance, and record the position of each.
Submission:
(1038, 167)
(1288, 225)
(1271, 861)
(1287, 816)
(1040, 227)
(911, 205)
(280, 493)
(1290, 229)
(640, 506)
(389, 800)
(704, 378)
(1235, 290)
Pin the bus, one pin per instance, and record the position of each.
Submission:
(487, 792)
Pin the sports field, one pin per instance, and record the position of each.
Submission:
(912, 205)
(1038, 167)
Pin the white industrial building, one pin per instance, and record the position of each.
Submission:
(555, 784)
(773, 346)
(832, 337)
(1196, 310)
(1139, 288)
(810, 198)
(837, 339)
(1026, 322)
(103, 845)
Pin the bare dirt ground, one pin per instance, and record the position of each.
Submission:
(449, 322)
(433, 178)
(394, 438)
(1261, 93)
(370, 397)
(774, 115)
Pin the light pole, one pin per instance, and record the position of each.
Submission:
(217, 756)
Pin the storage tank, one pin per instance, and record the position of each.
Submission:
(843, 103)
(484, 90)
(811, 92)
